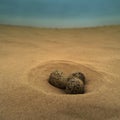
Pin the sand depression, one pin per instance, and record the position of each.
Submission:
(38, 76)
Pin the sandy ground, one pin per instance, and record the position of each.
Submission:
(28, 55)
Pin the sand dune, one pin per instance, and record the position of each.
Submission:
(28, 55)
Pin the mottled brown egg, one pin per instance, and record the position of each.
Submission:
(56, 79)
(74, 86)
(79, 75)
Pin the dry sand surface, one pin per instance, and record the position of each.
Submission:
(28, 55)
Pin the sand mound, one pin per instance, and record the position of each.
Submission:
(38, 76)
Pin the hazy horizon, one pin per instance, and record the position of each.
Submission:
(60, 13)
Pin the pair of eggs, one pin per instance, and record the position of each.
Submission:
(73, 84)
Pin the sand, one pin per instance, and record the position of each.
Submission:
(28, 55)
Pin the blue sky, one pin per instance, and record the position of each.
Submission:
(60, 13)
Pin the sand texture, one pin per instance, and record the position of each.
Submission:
(29, 55)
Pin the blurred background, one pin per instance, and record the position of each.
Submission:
(60, 13)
